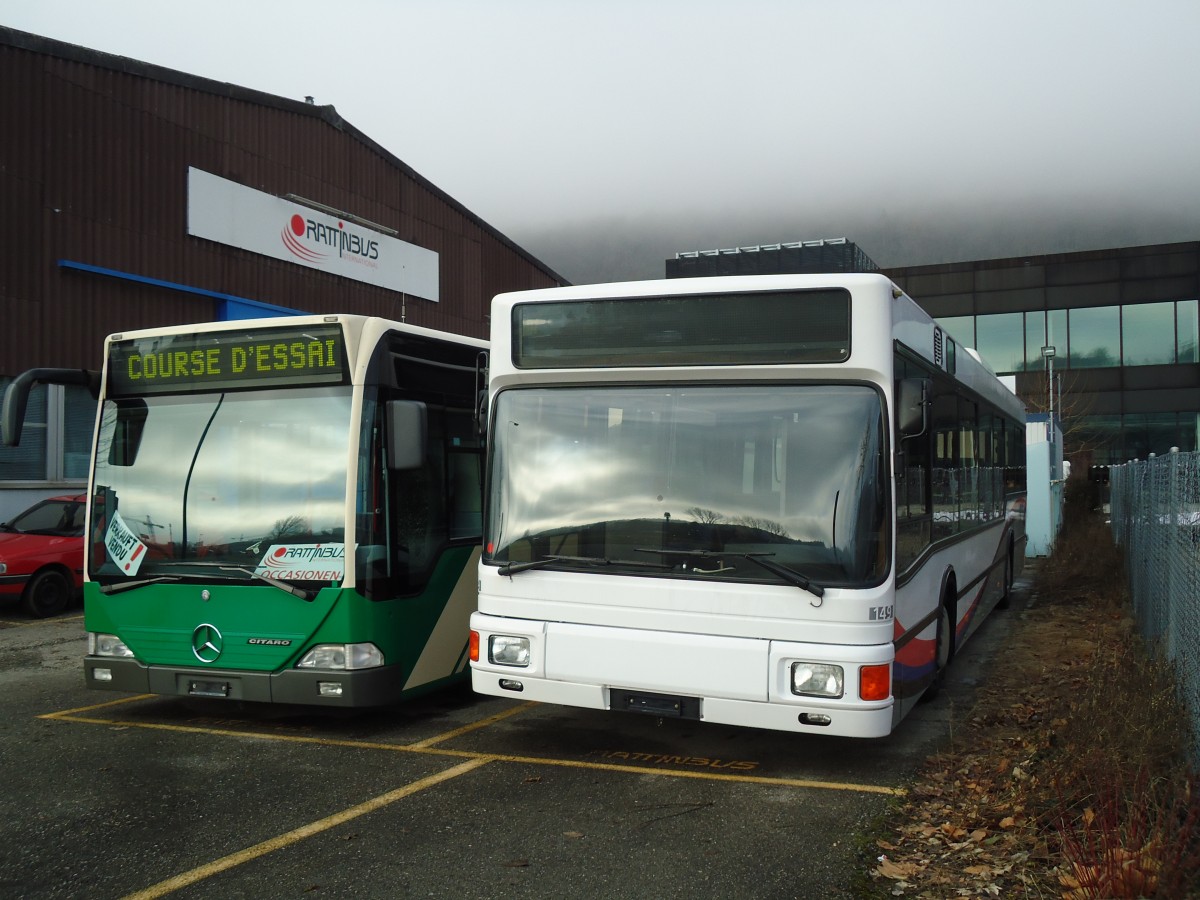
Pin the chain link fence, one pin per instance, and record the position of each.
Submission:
(1156, 521)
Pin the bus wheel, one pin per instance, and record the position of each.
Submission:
(1006, 597)
(47, 594)
(941, 659)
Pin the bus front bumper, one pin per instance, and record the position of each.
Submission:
(379, 686)
(845, 721)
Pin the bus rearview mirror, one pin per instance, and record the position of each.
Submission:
(912, 406)
(407, 427)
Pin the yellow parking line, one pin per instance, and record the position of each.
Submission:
(691, 773)
(26, 623)
(474, 726)
(107, 703)
(426, 747)
(230, 732)
(305, 831)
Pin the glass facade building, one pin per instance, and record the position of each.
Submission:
(1123, 325)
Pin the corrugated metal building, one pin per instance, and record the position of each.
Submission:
(98, 231)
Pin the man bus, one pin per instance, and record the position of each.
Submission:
(773, 501)
(281, 510)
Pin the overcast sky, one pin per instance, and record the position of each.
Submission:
(605, 136)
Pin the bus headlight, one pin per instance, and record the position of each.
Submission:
(106, 645)
(813, 679)
(506, 650)
(342, 656)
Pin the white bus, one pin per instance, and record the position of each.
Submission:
(774, 501)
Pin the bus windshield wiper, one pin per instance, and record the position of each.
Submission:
(513, 568)
(119, 587)
(758, 558)
(122, 586)
(305, 595)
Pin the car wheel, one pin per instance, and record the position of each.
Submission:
(47, 594)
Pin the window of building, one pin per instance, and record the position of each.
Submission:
(1187, 432)
(1101, 435)
(78, 421)
(1035, 339)
(1056, 336)
(27, 461)
(1095, 337)
(56, 438)
(1187, 332)
(1148, 334)
(1001, 341)
(1147, 433)
(1117, 439)
(961, 328)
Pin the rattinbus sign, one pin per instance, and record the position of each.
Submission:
(233, 214)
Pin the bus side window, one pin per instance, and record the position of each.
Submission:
(913, 516)
(913, 519)
(946, 463)
(465, 483)
(969, 499)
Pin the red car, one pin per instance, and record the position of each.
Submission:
(41, 555)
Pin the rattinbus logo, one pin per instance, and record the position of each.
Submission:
(314, 242)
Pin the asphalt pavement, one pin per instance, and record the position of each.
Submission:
(110, 795)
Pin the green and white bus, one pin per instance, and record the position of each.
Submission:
(281, 510)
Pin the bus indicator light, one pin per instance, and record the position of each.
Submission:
(474, 646)
(875, 682)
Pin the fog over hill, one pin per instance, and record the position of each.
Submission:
(617, 248)
(606, 137)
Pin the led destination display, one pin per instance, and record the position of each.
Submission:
(787, 328)
(220, 360)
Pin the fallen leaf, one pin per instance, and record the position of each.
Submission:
(573, 834)
(896, 871)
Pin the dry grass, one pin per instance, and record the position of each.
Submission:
(1071, 778)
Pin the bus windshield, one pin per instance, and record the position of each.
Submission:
(229, 485)
(709, 482)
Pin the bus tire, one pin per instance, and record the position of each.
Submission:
(942, 654)
(1005, 600)
(47, 594)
